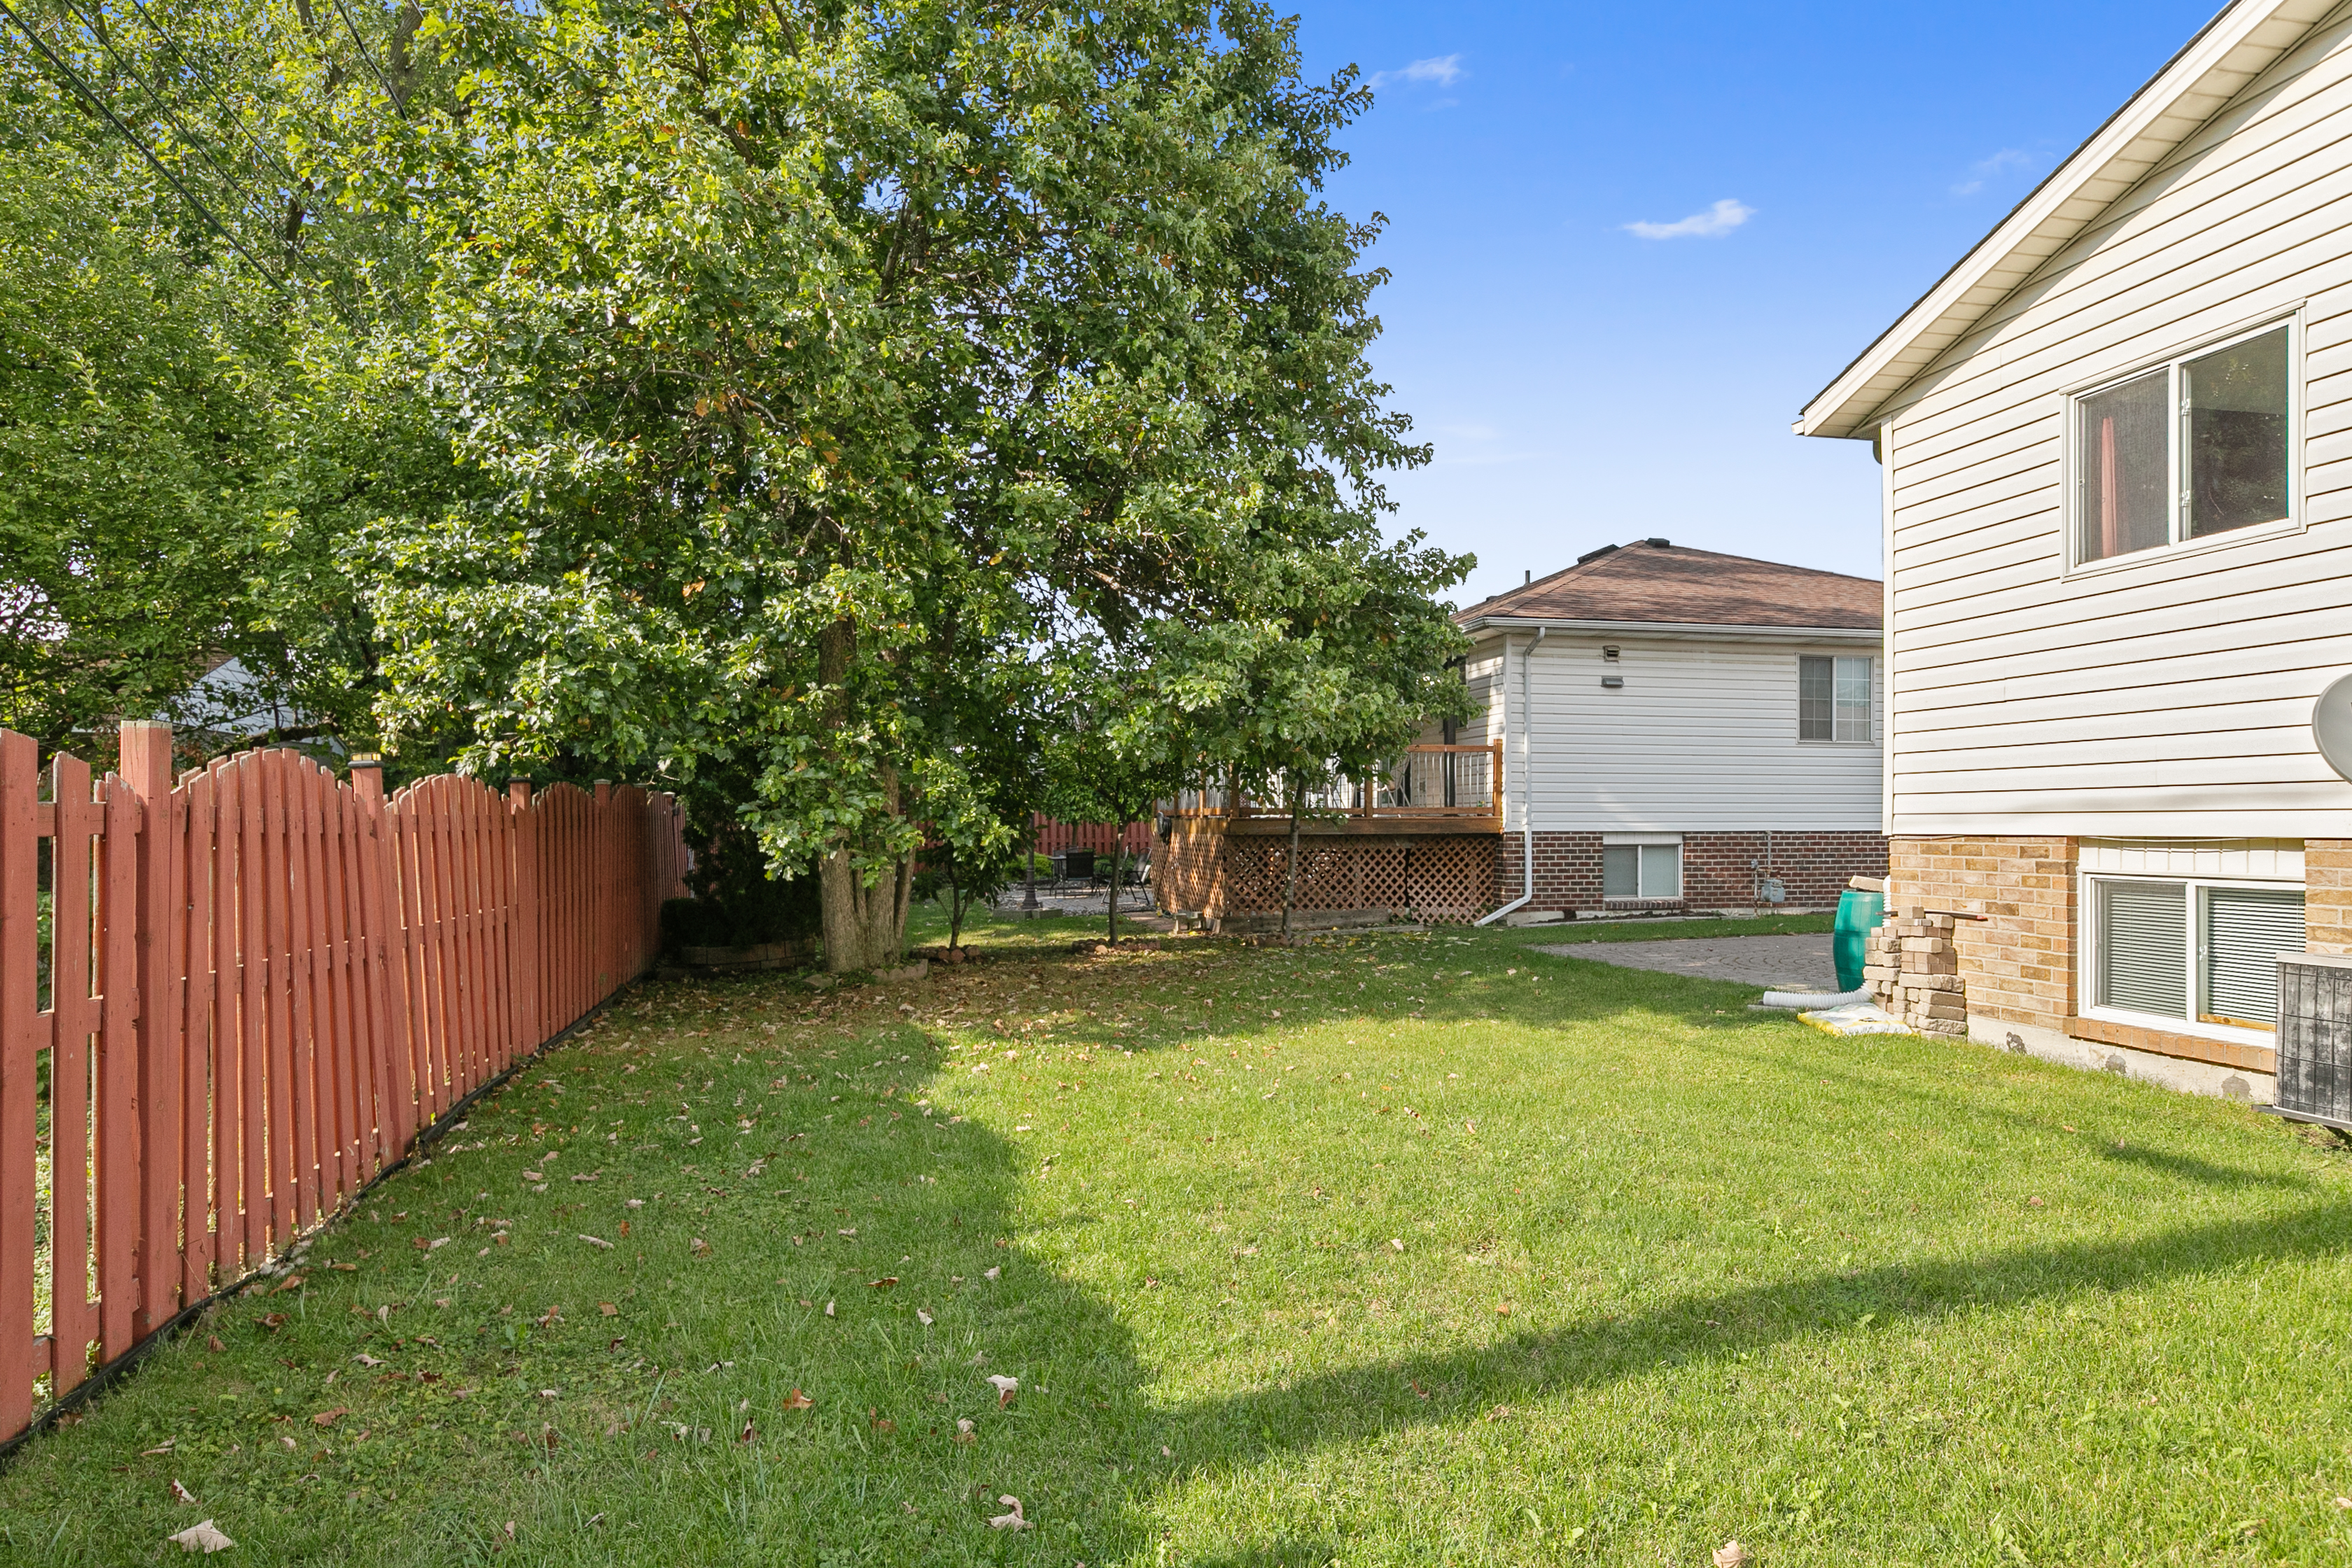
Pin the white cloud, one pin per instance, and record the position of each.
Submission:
(1986, 169)
(1716, 221)
(1444, 69)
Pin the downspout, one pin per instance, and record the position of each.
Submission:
(1527, 777)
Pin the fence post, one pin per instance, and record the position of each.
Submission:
(601, 892)
(146, 753)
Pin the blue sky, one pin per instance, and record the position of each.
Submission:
(1584, 384)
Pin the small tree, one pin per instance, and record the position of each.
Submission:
(1125, 748)
(1337, 665)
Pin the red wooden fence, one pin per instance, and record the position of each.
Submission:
(1053, 836)
(261, 984)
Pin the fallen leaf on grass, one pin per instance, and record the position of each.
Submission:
(327, 1417)
(201, 1537)
(636, 1203)
(699, 1247)
(746, 1435)
(291, 1282)
(182, 1494)
(798, 1401)
(992, 1273)
(1731, 1554)
(884, 1282)
(1395, 1243)
(922, 1317)
(344, 1267)
(879, 1422)
(273, 1322)
(600, 1241)
(366, 1360)
(608, 1309)
(828, 1309)
(165, 1447)
(213, 1344)
(1006, 1387)
(1014, 1520)
(964, 1434)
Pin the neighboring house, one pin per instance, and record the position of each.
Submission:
(1681, 729)
(2117, 451)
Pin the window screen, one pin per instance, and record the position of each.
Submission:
(1661, 870)
(1834, 698)
(1854, 699)
(1816, 699)
(2144, 947)
(2245, 930)
(1641, 870)
(1621, 871)
(2236, 419)
(2122, 480)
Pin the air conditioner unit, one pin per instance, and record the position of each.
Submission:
(2314, 1039)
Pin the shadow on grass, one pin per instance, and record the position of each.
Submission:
(1365, 1401)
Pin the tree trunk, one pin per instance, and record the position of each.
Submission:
(1118, 843)
(865, 927)
(955, 914)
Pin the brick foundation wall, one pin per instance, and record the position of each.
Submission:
(2019, 965)
(2328, 895)
(1718, 869)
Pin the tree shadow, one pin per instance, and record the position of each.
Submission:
(1359, 1402)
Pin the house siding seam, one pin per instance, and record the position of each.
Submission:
(1718, 869)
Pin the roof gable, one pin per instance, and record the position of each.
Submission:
(1646, 582)
(2211, 69)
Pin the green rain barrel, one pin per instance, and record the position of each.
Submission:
(1858, 914)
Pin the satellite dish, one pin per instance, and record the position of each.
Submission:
(2331, 725)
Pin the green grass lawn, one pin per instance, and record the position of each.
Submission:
(1395, 1249)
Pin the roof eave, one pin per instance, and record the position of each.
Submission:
(2236, 45)
(1674, 629)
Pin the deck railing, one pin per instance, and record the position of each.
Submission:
(1426, 783)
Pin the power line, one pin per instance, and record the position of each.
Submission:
(397, 107)
(144, 151)
(190, 66)
(132, 71)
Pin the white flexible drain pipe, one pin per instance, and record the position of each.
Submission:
(1527, 770)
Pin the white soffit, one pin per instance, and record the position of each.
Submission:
(2234, 49)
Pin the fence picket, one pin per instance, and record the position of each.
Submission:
(263, 984)
(73, 1021)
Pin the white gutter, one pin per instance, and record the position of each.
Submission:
(1527, 773)
(1678, 630)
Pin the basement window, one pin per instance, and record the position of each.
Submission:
(2189, 953)
(1633, 870)
(2186, 450)
(1834, 698)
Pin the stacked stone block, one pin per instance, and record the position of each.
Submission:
(1912, 965)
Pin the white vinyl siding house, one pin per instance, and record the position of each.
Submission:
(1704, 734)
(1681, 727)
(2117, 449)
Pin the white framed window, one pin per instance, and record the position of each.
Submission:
(1641, 865)
(1834, 698)
(2196, 955)
(2198, 446)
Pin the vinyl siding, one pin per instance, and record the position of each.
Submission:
(2169, 695)
(1702, 737)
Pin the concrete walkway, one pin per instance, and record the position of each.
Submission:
(1786, 962)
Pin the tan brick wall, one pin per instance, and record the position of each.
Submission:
(2327, 894)
(2019, 964)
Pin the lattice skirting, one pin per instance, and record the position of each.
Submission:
(1206, 870)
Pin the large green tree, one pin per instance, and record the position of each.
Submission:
(805, 349)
